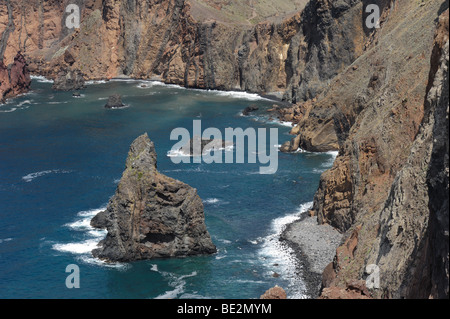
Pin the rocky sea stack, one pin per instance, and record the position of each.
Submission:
(151, 215)
(114, 102)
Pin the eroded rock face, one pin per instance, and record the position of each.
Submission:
(14, 79)
(168, 41)
(392, 201)
(151, 215)
(69, 81)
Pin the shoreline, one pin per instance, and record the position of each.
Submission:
(268, 96)
(305, 259)
(314, 248)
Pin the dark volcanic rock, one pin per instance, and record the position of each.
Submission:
(151, 215)
(114, 102)
(69, 81)
(204, 146)
(249, 109)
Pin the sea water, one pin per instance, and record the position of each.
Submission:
(61, 158)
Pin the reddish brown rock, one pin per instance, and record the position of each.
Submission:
(341, 293)
(274, 293)
(14, 79)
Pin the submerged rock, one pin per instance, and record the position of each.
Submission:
(250, 109)
(151, 215)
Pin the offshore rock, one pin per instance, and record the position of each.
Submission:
(114, 102)
(198, 146)
(68, 81)
(151, 215)
(250, 109)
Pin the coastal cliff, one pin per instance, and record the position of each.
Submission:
(378, 96)
(151, 215)
(387, 115)
(14, 78)
(192, 43)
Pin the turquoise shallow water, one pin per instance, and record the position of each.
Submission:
(61, 159)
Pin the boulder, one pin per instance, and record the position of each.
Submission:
(151, 215)
(206, 145)
(274, 293)
(69, 81)
(250, 109)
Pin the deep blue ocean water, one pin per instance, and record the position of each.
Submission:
(61, 159)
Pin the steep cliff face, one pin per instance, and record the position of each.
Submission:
(151, 215)
(193, 43)
(372, 94)
(371, 113)
(400, 220)
(14, 79)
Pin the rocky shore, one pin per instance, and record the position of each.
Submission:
(314, 246)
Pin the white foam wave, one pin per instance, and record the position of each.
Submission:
(58, 102)
(211, 201)
(282, 123)
(21, 105)
(91, 238)
(30, 177)
(24, 103)
(329, 163)
(267, 120)
(275, 251)
(9, 111)
(154, 268)
(177, 153)
(239, 95)
(176, 282)
(206, 151)
(83, 247)
(5, 240)
(41, 79)
(88, 259)
(84, 224)
(94, 82)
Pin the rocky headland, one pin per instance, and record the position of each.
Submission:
(151, 215)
